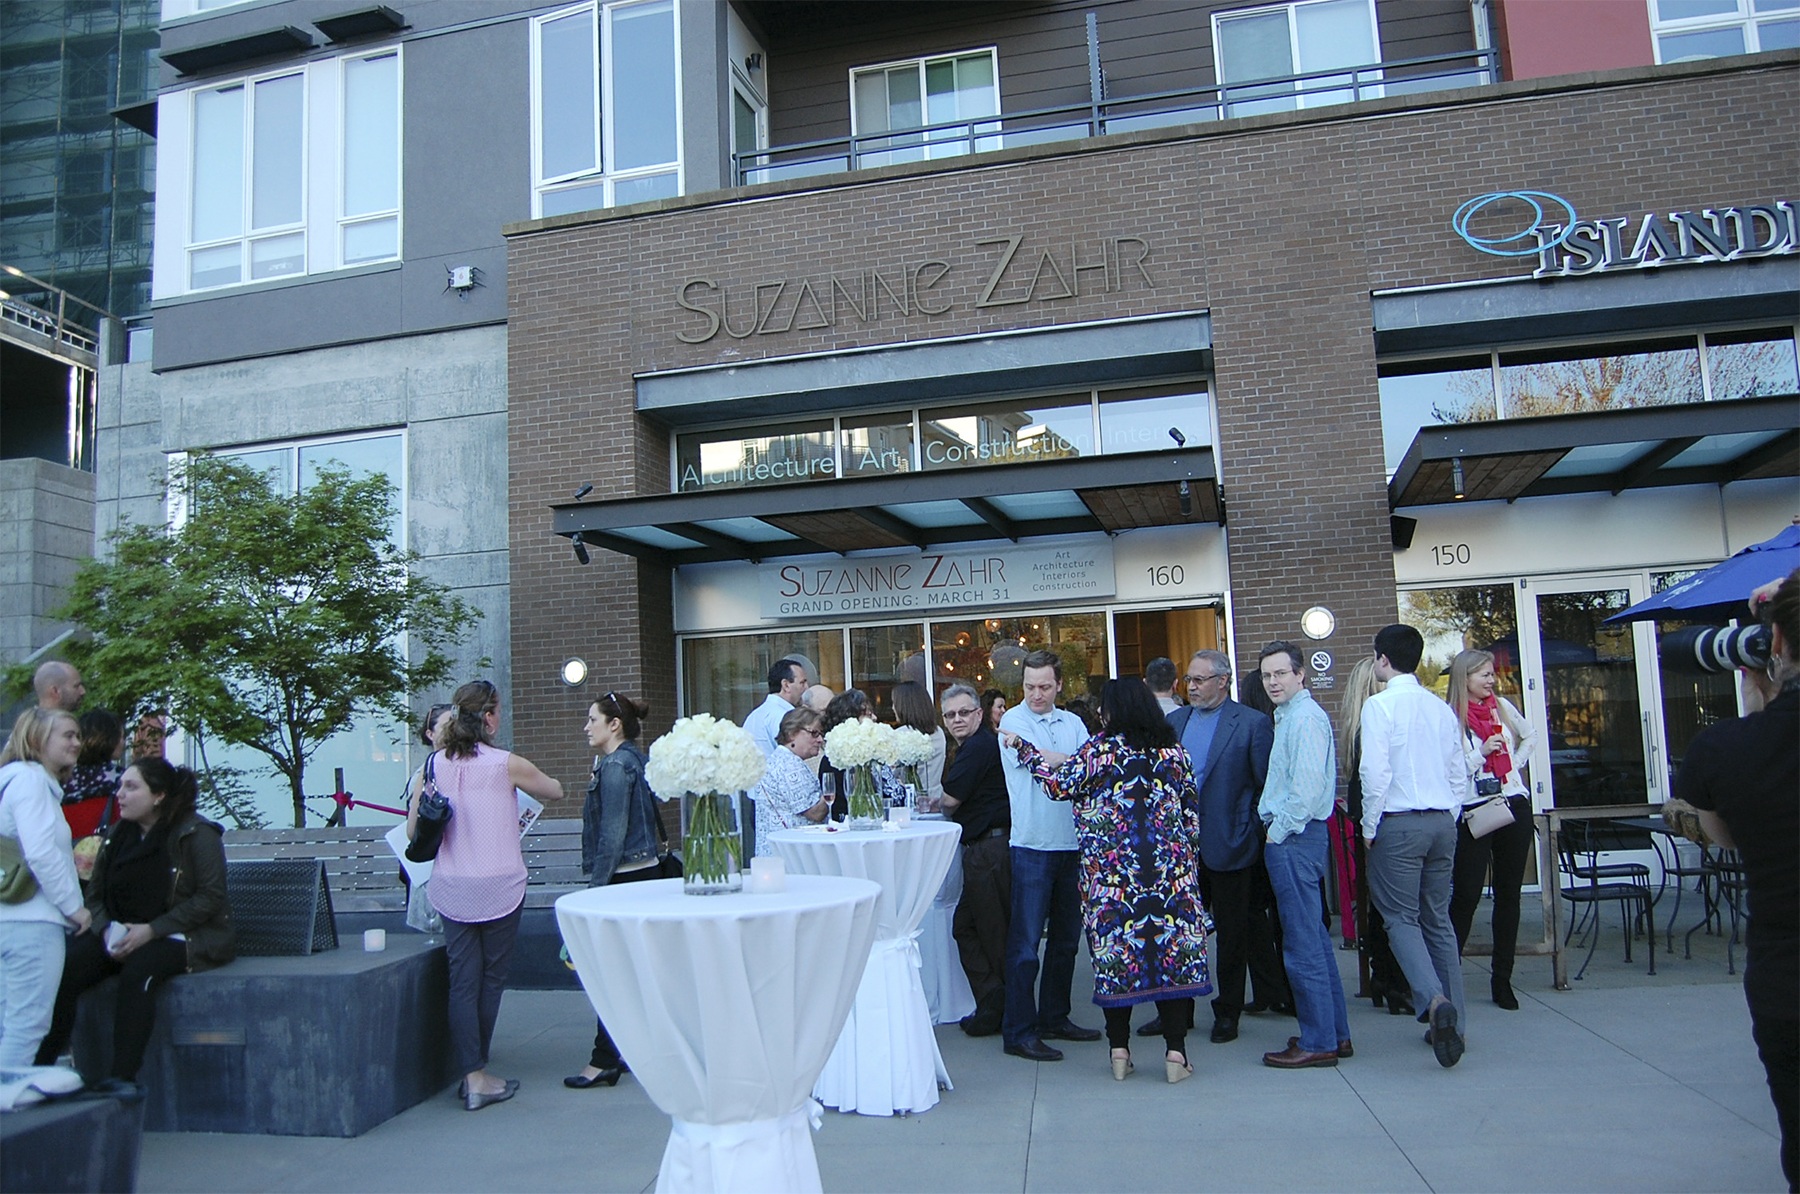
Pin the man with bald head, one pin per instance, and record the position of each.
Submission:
(58, 686)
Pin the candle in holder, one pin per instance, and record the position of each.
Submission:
(768, 875)
(374, 940)
(900, 816)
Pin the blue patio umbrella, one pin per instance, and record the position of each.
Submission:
(1722, 590)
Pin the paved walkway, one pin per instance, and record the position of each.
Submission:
(1627, 1083)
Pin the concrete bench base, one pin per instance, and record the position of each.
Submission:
(326, 1045)
(83, 1144)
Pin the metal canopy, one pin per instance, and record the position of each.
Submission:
(1711, 443)
(1018, 501)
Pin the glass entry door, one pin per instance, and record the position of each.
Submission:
(1590, 685)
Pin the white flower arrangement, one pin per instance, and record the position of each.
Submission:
(702, 754)
(911, 748)
(856, 743)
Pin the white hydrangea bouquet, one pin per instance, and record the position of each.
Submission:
(855, 746)
(706, 762)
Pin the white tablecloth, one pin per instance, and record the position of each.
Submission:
(887, 1059)
(947, 991)
(726, 1008)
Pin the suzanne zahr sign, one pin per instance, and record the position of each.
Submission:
(937, 580)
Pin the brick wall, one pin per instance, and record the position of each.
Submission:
(1279, 226)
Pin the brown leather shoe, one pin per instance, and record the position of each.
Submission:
(1344, 1050)
(1296, 1058)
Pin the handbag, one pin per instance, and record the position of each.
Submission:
(667, 859)
(1484, 818)
(433, 817)
(17, 883)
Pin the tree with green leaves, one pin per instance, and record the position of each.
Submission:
(265, 619)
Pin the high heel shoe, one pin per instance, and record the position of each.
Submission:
(1178, 1071)
(606, 1077)
(1121, 1064)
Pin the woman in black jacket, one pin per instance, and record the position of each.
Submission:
(159, 909)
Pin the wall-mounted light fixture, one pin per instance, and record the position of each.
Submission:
(1318, 622)
(574, 671)
(581, 551)
(753, 62)
(1456, 479)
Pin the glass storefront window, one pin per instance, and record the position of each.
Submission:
(1139, 420)
(1752, 364)
(1691, 699)
(1028, 431)
(729, 676)
(883, 656)
(990, 652)
(1561, 382)
(877, 445)
(1429, 394)
(1473, 617)
(711, 460)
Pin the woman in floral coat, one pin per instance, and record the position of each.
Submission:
(1136, 824)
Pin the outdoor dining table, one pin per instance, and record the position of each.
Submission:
(725, 1007)
(887, 1058)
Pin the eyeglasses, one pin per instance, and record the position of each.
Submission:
(1192, 679)
(976, 712)
(1279, 673)
(811, 733)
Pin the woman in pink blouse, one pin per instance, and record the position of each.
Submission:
(478, 881)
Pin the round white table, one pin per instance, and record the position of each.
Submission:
(726, 1008)
(947, 992)
(887, 1059)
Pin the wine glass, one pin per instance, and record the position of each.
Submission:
(828, 790)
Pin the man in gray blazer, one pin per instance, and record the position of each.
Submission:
(1228, 746)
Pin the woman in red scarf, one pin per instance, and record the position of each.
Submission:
(1498, 744)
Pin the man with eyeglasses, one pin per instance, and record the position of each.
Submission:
(975, 798)
(1297, 800)
(1228, 747)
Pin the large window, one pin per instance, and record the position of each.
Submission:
(900, 97)
(605, 117)
(287, 174)
(1712, 366)
(1690, 29)
(1013, 431)
(1293, 39)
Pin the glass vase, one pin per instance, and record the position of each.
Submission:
(712, 846)
(866, 811)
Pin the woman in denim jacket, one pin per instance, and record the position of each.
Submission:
(619, 839)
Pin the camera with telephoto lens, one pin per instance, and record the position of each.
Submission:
(1487, 785)
(1716, 648)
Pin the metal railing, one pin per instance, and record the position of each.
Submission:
(48, 311)
(1161, 109)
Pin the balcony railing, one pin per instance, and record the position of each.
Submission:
(47, 311)
(1162, 109)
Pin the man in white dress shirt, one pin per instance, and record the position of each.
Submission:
(1413, 777)
(787, 680)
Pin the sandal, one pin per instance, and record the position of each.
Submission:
(1121, 1064)
(1178, 1071)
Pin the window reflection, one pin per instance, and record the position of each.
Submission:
(1752, 364)
(1430, 394)
(1472, 617)
(1564, 383)
(990, 652)
(877, 445)
(729, 676)
(1139, 420)
(736, 459)
(1059, 428)
(883, 656)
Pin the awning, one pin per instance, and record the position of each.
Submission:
(1712, 443)
(1013, 502)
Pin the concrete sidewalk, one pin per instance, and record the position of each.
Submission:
(1627, 1082)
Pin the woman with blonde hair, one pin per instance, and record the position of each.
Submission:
(40, 754)
(1498, 744)
(1386, 982)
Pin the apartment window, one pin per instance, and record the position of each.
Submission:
(1286, 40)
(605, 113)
(898, 98)
(267, 196)
(1688, 29)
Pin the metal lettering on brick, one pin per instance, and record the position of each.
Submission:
(1546, 226)
(927, 580)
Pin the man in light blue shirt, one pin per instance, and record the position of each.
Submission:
(787, 680)
(1045, 872)
(1414, 775)
(1296, 802)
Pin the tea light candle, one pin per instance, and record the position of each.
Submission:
(374, 940)
(768, 875)
(900, 816)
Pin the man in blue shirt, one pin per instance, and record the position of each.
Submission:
(1045, 872)
(1296, 801)
(787, 680)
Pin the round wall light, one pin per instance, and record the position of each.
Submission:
(1318, 622)
(574, 671)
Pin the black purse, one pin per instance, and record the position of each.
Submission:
(433, 817)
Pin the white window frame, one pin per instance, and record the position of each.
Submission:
(928, 149)
(603, 124)
(1746, 17)
(1300, 99)
(322, 169)
(178, 498)
(248, 234)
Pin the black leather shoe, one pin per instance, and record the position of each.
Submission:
(123, 1089)
(1153, 1028)
(606, 1077)
(1032, 1049)
(1068, 1030)
(1224, 1031)
(1273, 1009)
(979, 1024)
(475, 1100)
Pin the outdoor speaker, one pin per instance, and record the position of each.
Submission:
(1400, 530)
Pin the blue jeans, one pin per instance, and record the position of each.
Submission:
(1045, 889)
(31, 967)
(1296, 868)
